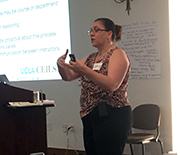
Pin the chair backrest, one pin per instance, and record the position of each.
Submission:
(146, 117)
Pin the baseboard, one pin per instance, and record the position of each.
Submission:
(170, 153)
(58, 151)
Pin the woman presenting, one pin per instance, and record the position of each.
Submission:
(105, 110)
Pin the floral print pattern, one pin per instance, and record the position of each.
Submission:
(91, 94)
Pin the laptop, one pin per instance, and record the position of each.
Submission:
(4, 79)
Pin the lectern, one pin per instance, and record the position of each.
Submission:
(23, 129)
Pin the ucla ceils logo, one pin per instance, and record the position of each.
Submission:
(39, 69)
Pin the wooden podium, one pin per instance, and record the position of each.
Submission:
(22, 130)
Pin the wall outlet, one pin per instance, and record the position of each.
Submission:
(65, 127)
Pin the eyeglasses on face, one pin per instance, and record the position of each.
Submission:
(95, 30)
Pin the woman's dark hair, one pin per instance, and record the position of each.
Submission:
(110, 26)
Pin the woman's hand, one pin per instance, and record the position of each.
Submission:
(77, 66)
(70, 71)
(61, 60)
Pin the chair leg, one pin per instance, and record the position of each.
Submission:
(143, 149)
(132, 153)
(161, 145)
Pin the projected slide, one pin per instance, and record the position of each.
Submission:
(33, 34)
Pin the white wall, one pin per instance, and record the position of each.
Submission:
(66, 95)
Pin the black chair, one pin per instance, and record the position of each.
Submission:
(146, 117)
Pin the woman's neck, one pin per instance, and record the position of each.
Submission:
(104, 49)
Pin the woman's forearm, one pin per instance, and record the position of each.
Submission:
(67, 74)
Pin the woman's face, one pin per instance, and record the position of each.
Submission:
(99, 35)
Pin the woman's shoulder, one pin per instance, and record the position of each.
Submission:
(120, 54)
